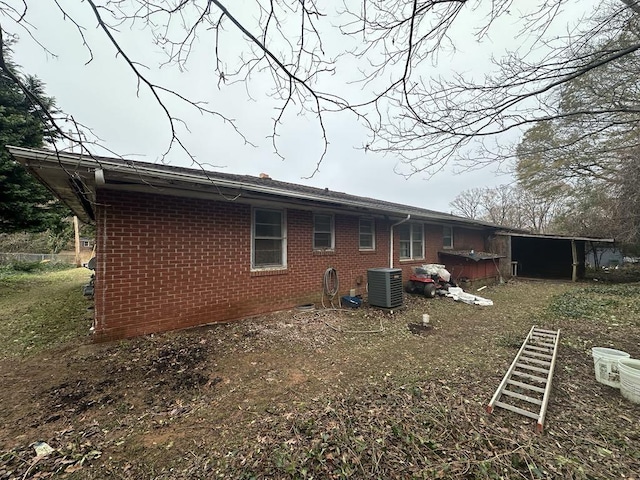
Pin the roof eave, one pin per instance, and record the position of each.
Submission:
(141, 174)
(556, 237)
(70, 189)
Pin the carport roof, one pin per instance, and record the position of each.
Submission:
(556, 237)
(74, 178)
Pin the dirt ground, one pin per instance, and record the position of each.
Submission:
(330, 394)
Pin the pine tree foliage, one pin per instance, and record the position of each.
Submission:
(25, 205)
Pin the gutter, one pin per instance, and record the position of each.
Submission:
(101, 165)
(140, 170)
(391, 239)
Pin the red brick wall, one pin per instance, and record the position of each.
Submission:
(468, 239)
(167, 263)
(463, 239)
(433, 244)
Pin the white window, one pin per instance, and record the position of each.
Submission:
(323, 232)
(367, 234)
(447, 237)
(411, 241)
(269, 239)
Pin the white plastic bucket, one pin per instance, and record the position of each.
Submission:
(630, 379)
(605, 362)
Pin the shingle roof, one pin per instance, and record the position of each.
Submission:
(145, 173)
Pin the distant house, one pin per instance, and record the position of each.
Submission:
(86, 243)
(178, 247)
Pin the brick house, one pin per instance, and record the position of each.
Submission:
(178, 247)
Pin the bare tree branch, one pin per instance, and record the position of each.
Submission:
(384, 63)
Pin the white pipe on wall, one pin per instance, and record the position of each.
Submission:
(391, 239)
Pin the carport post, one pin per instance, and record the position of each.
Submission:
(574, 255)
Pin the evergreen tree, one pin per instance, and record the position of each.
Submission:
(25, 205)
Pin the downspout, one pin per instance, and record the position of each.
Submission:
(99, 175)
(101, 254)
(391, 239)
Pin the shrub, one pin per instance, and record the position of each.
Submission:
(625, 273)
(26, 267)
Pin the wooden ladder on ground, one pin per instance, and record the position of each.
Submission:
(528, 380)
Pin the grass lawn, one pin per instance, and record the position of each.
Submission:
(320, 394)
(41, 310)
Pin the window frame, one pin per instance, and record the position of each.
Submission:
(331, 232)
(282, 238)
(448, 246)
(372, 234)
(413, 227)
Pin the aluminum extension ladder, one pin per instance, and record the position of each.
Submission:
(529, 376)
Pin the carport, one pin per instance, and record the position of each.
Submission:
(549, 256)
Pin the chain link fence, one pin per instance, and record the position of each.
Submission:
(7, 258)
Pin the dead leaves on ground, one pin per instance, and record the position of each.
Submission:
(390, 405)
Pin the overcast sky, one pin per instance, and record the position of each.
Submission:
(103, 96)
